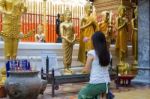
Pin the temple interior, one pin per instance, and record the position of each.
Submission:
(74, 49)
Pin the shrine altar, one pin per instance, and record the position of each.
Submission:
(35, 51)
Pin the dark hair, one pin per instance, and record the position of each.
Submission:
(100, 46)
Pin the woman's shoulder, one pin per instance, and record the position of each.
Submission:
(92, 52)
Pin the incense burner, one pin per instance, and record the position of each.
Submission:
(24, 85)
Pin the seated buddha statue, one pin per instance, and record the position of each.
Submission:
(40, 36)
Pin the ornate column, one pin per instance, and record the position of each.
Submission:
(143, 42)
(44, 18)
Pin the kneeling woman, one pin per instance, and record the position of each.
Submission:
(97, 64)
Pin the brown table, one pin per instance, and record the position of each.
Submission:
(124, 80)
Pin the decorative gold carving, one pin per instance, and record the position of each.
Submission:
(12, 11)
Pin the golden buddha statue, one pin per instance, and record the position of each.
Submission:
(12, 11)
(68, 40)
(122, 28)
(40, 36)
(135, 36)
(87, 28)
(105, 27)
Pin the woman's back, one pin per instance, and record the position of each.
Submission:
(98, 73)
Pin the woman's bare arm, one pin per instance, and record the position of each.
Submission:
(87, 67)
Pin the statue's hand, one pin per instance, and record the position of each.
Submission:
(30, 33)
(73, 41)
(24, 10)
(7, 12)
(82, 28)
(20, 35)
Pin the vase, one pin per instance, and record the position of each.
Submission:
(24, 85)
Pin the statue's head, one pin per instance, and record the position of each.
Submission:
(88, 8)
(61, 17)
(40, 28)
(67, 15)
(106, 16)
(122, 10)
(136, 12)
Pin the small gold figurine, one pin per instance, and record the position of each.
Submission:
(12, 11)
(135, 36)
(123, 69)
(2, 75)
(121, 41)
(68, 40)
(87, 28)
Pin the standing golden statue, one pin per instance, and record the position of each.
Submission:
(105, 27)
(68, 40)
(87, 28)
(135, 36)
(122, 28)
(12, 11)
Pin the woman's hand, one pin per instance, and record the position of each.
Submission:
(85, 70)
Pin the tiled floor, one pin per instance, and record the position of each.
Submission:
(69, 91)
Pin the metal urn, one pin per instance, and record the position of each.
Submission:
(24, 85)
